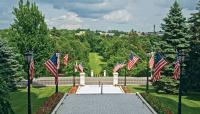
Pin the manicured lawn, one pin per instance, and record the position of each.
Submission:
(190, 102)
(38, 96)
(95, 62)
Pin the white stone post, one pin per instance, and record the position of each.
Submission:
(92, 73)
(115, 78)
(104, 73)
(82, 78)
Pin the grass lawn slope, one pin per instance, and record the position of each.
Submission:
(95, 62)
(190, 102)
(38, 96)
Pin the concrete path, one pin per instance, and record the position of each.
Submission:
(102, 104)
(96, 89)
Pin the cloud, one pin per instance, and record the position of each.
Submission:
(118, 16)
(140, 15)
(68, 21)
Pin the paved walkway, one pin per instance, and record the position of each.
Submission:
(103, 104)
(96, 89)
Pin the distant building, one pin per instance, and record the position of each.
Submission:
(106, 34)
(80, 33)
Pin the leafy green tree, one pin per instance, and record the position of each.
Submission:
(193, 63)
(10, 71)
(29, 32)
(175, 35)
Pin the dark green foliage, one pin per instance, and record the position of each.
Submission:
(193, 72)
(29, 32)
(10, 67)
(9, 72)
(167, 85)
(175, 36)
(158, 106)
(5, 107)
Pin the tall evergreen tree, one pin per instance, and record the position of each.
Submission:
(8, 75)
(175, 35)
(193, 64)
(29, 32)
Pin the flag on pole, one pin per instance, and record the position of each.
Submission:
(133, 59)
(177, 69)
(80, 67)
(118, 67)
(51, 66)
(159, 65)
(32, 69)
(151, 61)
(58, 60)
(65, 59)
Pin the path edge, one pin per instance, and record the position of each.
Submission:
(146, 103)
(59, 104)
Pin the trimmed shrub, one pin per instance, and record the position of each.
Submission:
(158, 106)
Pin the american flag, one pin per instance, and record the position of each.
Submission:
(160, 63)
(65, 59)
(177, 69)
(51, 66)
(118, 67)
(151, 61)
(133, 59)
(31, 69)
(80, 67)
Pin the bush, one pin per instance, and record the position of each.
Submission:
(167, 85)
(156, 104)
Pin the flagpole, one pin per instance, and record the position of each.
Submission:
(56, 80)
(147, 83)
(57, 83)
(74, 83)
(125, 76)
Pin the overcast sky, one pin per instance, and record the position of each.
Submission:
(125, 15)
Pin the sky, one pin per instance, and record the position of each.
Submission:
(122, 15)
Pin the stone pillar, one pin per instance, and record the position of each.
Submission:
(92, 73)
(115, 78)
(82, 78)
(104, 73)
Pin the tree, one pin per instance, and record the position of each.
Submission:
(194, 54)
(8, 75)
(29, 32)
(175, 35)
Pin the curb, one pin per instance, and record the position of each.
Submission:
(59, 104)
(146, 103)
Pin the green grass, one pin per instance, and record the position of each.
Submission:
(190, 102)
(38, 96)
(95, 63)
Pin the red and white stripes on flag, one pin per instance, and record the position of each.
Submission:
(31, 69)
(151, 61)
(158, 67)
(51, 66)
(133, 59)
(66, 59)
(118, 67)
(177, 69)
